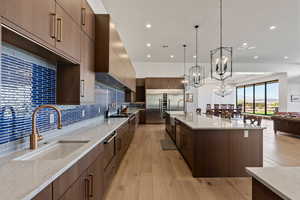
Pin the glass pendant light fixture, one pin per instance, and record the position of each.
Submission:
(185, 80)
(197, 72)
(223, 90)
(221, 58)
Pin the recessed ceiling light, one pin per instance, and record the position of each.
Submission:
(149, 56)
(245, 44)
(251, 47)
(256, 57)
(148, 25)
(171, 56)
(273, 27)
(194, 56)
(286, 57)
(148, 44)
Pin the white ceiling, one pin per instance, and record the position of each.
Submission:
(173, 20)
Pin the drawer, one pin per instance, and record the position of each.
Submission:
(109, 174)
(109, 149)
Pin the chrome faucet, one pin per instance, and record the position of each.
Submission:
(35, 136)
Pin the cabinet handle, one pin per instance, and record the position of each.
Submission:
(52, 25)
(87, 189)
(82, 88)
(59, 29)
(83, 14)
(109, 140)
(91, 194)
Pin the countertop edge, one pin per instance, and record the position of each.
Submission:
(36, 191)
(210, 128)
(268, 185)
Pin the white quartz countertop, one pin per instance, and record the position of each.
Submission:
(22, 180)
(175, 112)
(283, 181)
(204, 122)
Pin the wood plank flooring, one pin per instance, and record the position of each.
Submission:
(148, 173)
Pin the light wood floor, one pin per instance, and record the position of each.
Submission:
(148, 173)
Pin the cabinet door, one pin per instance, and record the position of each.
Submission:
(78, 190)
(88, 19)
(73, 8)
(68, 34)
(87, 70)
(96, 179)
(35, 16)
(46, 194)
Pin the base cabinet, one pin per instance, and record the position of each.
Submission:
(46, 194)
(261, 192)
(219, 153)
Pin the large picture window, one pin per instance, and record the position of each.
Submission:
(249, 99)
(259, 98)
(240, 100)
(272, 97)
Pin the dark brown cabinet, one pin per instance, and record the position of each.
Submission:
(87, 73)
(111, 56)
(35, 16)
(219, 153)
(163, 83)
(46, 194)
(72, 8)
(87, 19)
(68, 34)
(95, 177)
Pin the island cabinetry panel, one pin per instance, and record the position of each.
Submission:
(261, 192)
(219, 153)
(46, 194)
(245, 151)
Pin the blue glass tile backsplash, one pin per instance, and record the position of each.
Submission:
(27, 81)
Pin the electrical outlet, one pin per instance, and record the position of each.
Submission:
(83, 113)
(246, 133)
(99, 110)
(51, 118)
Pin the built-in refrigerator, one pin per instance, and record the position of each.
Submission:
(158, 101)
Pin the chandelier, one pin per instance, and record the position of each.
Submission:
(221, 58)
(223, 90)
(185, 80)
(197, 72)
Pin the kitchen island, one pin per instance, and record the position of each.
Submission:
(216, 147)
(275, 183)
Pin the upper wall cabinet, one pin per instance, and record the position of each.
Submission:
(111, 56)
(87, 19)
(68, 33)
(163, 83)
(73, 8)
(35, 16)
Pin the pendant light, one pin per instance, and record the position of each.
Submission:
(185, 80)
(223, 90)
(197, 72)
(221, 58)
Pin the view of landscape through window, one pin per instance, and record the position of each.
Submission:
(261, 98)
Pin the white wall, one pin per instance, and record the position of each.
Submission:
(293, 89)
(204, 95)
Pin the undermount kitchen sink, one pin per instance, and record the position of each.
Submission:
(54, 151)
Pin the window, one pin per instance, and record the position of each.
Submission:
(249, 98)
(240, 97)
(260, 103)
(272, 97)
(259, 98)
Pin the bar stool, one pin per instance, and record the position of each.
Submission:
(252, 119)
